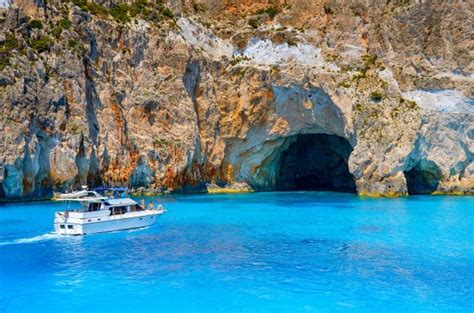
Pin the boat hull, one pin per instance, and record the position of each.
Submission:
(105, 224)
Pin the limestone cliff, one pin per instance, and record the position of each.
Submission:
(374, 97)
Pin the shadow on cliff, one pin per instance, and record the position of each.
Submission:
(92, 101)
(191, 81)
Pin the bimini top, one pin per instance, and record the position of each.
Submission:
(119, 202)
(117, 189)
(83, 195)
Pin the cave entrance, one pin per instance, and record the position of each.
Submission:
(423, 178)
(316, 162)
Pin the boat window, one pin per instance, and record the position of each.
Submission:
(62, 226)
(118, 210)
(70, 226)
(136, 208)
(94, 206)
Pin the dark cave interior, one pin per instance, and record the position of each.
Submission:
(316, 162)
(423, 178)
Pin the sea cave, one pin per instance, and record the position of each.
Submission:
(423, 178)
(315, 162)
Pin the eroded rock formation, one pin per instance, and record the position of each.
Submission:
(176, 94)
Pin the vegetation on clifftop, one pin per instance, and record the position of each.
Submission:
(151, 11)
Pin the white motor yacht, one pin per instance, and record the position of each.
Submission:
(98, 214)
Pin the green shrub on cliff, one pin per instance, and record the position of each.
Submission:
(62, 25)
(271, 11)
(167, 12)
(120, 13)
(139, 8)
(56, 31)
(41, 44)
(65, 23)
(152, 11)
(328, 9)
(97, 9)
(36, 24)
(4, 60)
(10, 43)
(345, 84)
(6, 47)
(91, 7)
(238, 59)
(72, 43)
(254, 22)
(411, 105)
(376, 96)
(74, 128)
(75, 46)
(369, 60)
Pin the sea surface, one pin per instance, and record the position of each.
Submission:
(260, 252)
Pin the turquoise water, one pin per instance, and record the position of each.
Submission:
(262, 252)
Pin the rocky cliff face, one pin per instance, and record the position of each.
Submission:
(174, 94)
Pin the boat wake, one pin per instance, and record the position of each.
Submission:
(54, 236)
(39, 238)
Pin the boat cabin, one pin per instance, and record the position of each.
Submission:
(122, 206)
